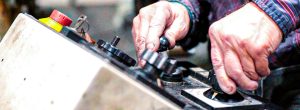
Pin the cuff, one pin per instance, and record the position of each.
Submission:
(280, 16)
(198, 24)
(192, 14)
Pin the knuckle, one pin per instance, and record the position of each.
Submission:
(216, 61)
(171, 34)
(135, 20)
(252, 75)
(143, 11)
(215, 30)
(155, 23)
(266, 73)
(263, 72)
(248, 86)
(162, 12)
(226, 38)
(183, 26)
(243, 43)
(162, 3)
(235, 74)
(212, 29)
(260, 49)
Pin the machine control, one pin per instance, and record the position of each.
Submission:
(111, 50)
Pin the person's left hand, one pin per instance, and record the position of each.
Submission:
(240, 45)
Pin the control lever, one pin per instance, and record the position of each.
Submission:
(212, 80)
(216, 93)
(154, 65)
(160, 68)
(164, 44)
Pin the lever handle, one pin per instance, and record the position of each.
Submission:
(164, 44)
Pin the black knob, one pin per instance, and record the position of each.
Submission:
(164, 44)
(155, 63)
(213, 82)
(160, 66)
(111, 50)
(171, 72)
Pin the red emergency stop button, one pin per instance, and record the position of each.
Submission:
(61, 18)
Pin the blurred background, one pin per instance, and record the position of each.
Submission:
(107, 18)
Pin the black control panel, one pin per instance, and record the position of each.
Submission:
(183, 83)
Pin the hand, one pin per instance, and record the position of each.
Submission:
(240, 45)
(170, 19)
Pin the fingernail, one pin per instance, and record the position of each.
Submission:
(269, 71)
(253, 86)
(141, 63)
(229, 90)
(150, 46)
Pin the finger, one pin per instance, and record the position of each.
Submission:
(259, 54)
(262, 66)
(140, 48)
(135, 31)
(156, 28)
(145, 19)
(139, 42)
(144, 29)
(234, 70)
(226, 84)
(247, 62)
(248, 66)
(177, 30)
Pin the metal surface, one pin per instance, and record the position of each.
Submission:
(197, 96)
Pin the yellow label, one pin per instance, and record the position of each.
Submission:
(51, 23)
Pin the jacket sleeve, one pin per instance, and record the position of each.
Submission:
(284, 12)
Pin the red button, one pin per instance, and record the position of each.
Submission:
(61, 18)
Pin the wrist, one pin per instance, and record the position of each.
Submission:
(187, 13)
(265, 19)
(271, 22)
(278, 13)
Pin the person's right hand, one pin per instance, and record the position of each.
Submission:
(153, 21)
